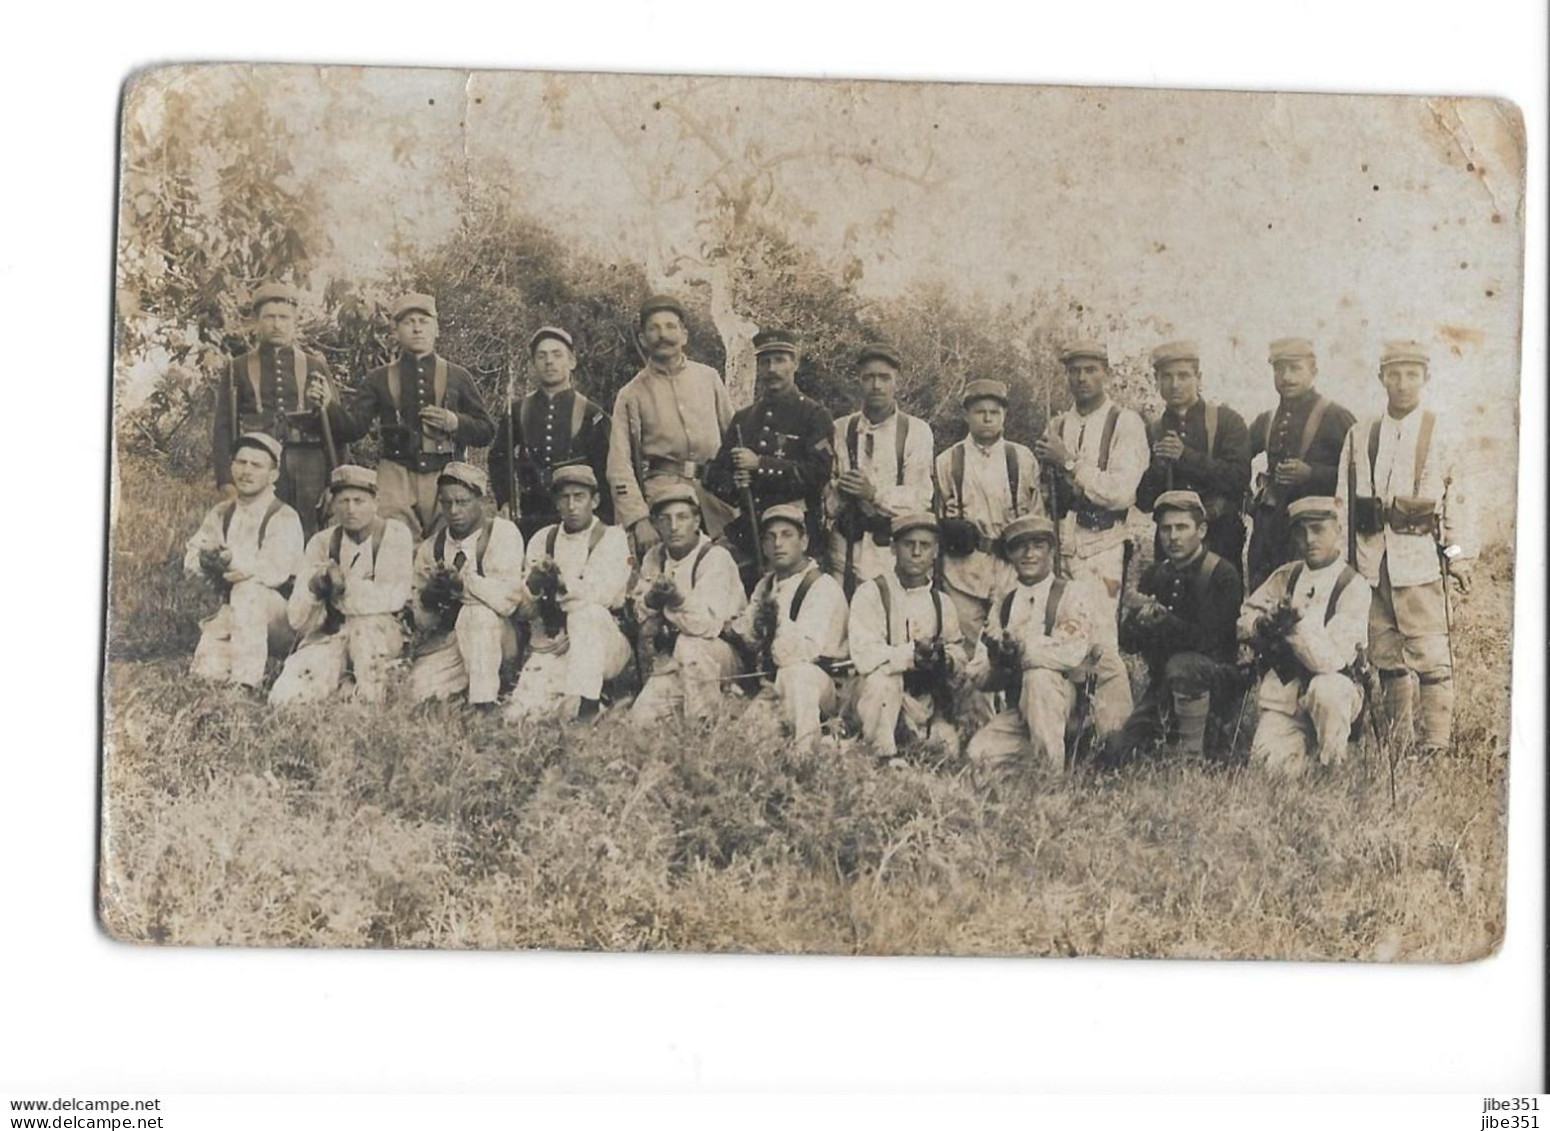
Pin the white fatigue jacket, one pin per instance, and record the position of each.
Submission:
(707, 579)
(1112, 487)
(493, 577)
(986, 500)
(271, 562)
(819, 629)
(597, 576)
(1324, 641)
(678, 416)
(375, 584)
(882, 639)
(1391, 470)
(1064, 649)
(877, 458)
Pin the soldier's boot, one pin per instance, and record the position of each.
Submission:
(1437, 711)
(1189, 715)
(1398, 706)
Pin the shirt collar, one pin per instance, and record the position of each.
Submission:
(867, 426)
(582, 533)
(663, 371)
(1038, 587)
(1101, 407)
(262, 499)
(989, 449)
(1333, 567)
(667, 556)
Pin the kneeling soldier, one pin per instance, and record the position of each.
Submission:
(578, 570)
(1183, 621)
(1040, 636)
(247, 549)
(467, 581)
(905, 641)
(355, 581)
(1307, 624)
(687, 593)
(795, 622)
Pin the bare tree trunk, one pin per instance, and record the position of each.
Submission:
(736, 333)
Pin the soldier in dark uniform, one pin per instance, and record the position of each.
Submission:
(266, 390)
(1183, 619)
(1301, 441)
(553, 426)
(428, 413)
(1197, 447)
(780, 448)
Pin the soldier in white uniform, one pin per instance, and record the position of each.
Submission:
(882, 469)
(1306, 624)
(795, 624)
(984, 482)
(687, 593)
(1409, 530)
(577, 573)
(468, 580)
(1039, 640)
(906, 645)
(348, 595)
(1098, 452)
(248, 548)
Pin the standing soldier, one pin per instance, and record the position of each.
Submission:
(778, 450)
(275, 388)
(795, 624)
(553, 426)
(1183, 620)
(1039, 639)
(1197, 447)
(984, 482)
(1301, 441)
(1306, 625)
(687, 594)
(248, 549)
(668, 423)
(1097, 452)
(467, 581)
(1408, 544)
(883, 470)
(354, 582)
(577, 573)
(428, 412)
(906, 644)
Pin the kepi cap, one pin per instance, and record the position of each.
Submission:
(784, 512)
(409, 303)
(476, 479)
(1084, 347)
(348, 475)
(671, 491)
(984, 388)
(574, 474)
(1169, 352)
(1178, 501)
(1290, 349)
(1405, 351)
(272, 292)
(1028, 526)
(774, 341)
(661, 302)
(261, 440)
(914, 520)
(1313, 506)
(554, 332)
(884, 351)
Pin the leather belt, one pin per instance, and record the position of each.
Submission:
(687, 468)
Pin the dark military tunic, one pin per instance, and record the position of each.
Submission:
(551, 431)
(794, 437)
(1280, 435)
(1219, 476)
(400, 434)
(277, 404)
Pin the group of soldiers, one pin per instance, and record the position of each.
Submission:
(841, 569)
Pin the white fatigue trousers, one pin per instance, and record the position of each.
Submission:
(236, 642)
(806, 694)
(471, 659)
(598, 652)
(691, 679)
(1324, 716)
(365, 645)
(409, 496)
(1043, 705)
(881, 703)
(1112, 698)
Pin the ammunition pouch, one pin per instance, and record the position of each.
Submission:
(1410, 515)
(960, 537)
(397, 442)
(1367, 515)
(1090, 517)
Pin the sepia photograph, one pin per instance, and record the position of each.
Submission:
(783, 516)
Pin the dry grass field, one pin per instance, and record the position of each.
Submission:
(354, 826)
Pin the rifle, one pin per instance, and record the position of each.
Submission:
(746, 493)
(1048, 474)
(330, 452)
(514, 510)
